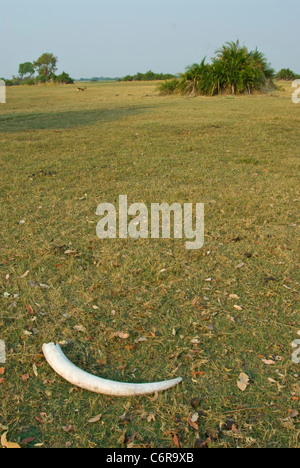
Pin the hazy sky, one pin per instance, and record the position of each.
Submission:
(119, 37)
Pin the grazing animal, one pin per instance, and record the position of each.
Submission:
(79, 90)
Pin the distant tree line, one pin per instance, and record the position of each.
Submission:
(41, 70)
(96, 79)
(149, 76)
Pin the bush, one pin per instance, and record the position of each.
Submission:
(286, 75)
(234, 70)
(13, 82)
(42, 79)
(64, 78)
(168, 87)
(29, 81)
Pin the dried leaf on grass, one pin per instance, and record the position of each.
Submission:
(293, 413)
(80, 328)
(25, 274)
(243, 382)
(95, 419)
(68, 429)
(9, 445)
(151, 417)
(192, 420)
(176, 441)
(122, 335)
(268, 362)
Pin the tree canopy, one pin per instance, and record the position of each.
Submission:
(26, 69)
(46, 65)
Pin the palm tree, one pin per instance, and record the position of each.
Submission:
(234, 70)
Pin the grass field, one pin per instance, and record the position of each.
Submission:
(63, 153)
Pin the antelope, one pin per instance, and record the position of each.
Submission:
(81, 89)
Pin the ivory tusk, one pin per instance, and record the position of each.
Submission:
(63, 367)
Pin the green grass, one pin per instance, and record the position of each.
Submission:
(63, 153)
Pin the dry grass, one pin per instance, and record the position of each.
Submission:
(63, 153)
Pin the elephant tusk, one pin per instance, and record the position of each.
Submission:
(66, 369)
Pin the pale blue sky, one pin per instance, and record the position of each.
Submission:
(119, 37)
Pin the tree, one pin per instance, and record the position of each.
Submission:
(26, 70)
(46, 66)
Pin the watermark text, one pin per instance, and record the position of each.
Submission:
(187, 222)
(296, 93)
(2, 92)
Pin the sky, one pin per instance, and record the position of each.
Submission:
(119, 37)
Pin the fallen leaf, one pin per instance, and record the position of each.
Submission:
(9, 445)
(268, 362)
(192, 421)
(2, 371)
(243, 382)
(293, 413)
(68, 429)
(80, 328)
(30, 310)
(34, 368)
(176, 441)
(142, 339)
(27, 441)
(151, 417)
(25, 274)
(235, 429)
(2, 381)
(25, 377)
(95, 419)
(234, 296)
(122, 335)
